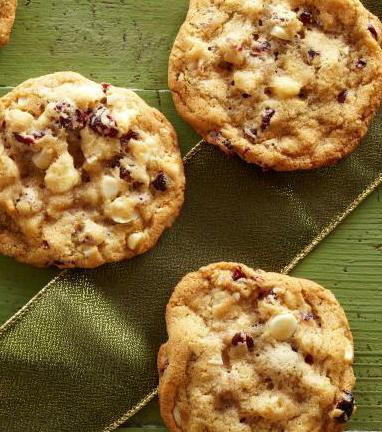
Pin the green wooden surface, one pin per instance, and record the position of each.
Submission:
(127, 43)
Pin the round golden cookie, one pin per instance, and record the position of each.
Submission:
(7, 18)
(285, 84)
(89, 173)
(255, 351)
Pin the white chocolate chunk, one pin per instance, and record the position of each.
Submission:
(20, 120)
(247, 81)
(135, 240)
(349, 354)
(94, 231)
(285, 87)
(62, 176)
(44, 158)
(110, 187)
(283, 326)
(8, 170)
(177, 416)
(280, 33)
(122, 210)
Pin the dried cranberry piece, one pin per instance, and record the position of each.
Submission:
(309, 359)
(342, 96)
(238, 274)
(70, 117)
(373, 32)
(307, 316)
(228, 144)
(306, 17)
(102, 123)
(267, 117)
(261, 47)
(250, 342)
(251, 134)
(39, 135)
(360, 64)
(124, 174)
(105, 87)
(271, 296)
(312, 53)
(246, 95)
(160, 182)
(346, 405)
(24, 139)
(240, 338)
(125, 139)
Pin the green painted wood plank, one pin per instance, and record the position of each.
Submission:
(123, 41)
(127, 43)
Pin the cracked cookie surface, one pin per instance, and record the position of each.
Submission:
(254, 351)
(7, 18)
(285, 84)
(89, 173)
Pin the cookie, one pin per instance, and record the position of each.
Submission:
(7, 18)
(89, 173)
(255, 351)
(284, 84)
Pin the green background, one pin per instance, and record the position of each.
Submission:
(127, 43)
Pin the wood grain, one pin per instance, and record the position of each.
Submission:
(126, 42)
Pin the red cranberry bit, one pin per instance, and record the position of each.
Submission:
(105, 87)
(309, 359)
(238, 274)
(272, 296)
(3, 125)
(24, 139)
(342, 96)
(312, 53)
(346, 405)
(102, 123)
(251, 134)
(246, 95)
(250, 343)
(125, 139)
(373, 32)
(228, 144)
(306, 18)
(261, 47)
(160, 182)
(240, 338)
(360, 64)
(39, 135)
(124, 174)
(70, 117)
(267, 117)
(307, 316)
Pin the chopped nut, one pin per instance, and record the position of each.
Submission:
(283, 326)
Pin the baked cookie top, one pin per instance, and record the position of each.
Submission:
(7, 18)
(285, 84)
(255, 351)
(89, 173)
